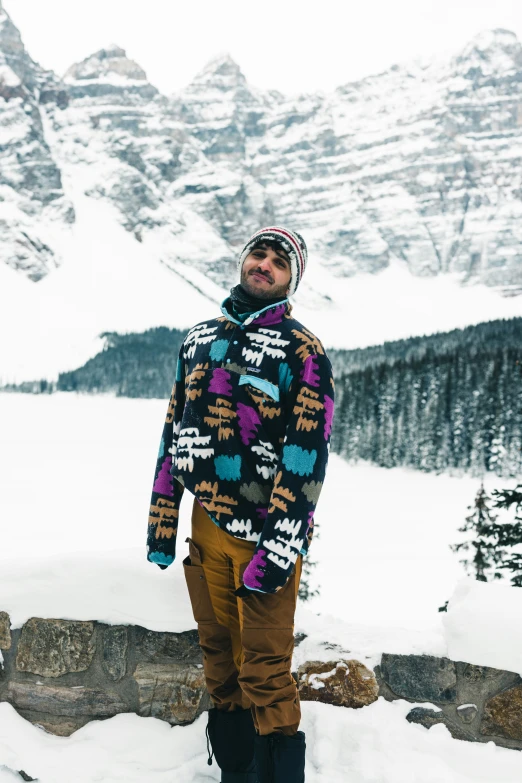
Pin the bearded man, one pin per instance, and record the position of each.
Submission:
(247, 433)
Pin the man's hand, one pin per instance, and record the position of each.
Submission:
(160, 559)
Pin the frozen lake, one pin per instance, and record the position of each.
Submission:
(76, 473)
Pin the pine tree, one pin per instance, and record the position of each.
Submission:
(483, 540)
(305, 591)
(509, 534)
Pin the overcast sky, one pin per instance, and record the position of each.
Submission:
(289, 45)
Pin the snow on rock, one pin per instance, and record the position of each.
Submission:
(8, 77)
(120, 587)
(114, 587)
(348, 684)
(325, 637)
(483, 625)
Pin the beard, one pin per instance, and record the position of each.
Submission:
(273, 292)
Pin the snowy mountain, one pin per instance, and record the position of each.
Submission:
(123, 209)
(32, 199)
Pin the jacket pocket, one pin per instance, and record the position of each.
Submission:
(259, 383)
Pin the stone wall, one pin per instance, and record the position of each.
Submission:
(476, 703)
(60, 674)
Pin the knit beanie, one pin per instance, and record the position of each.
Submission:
(292, 242)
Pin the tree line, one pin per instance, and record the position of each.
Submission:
(449, 401)
(445, 402)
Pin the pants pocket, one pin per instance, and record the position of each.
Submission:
(272, 610)
(198, 591)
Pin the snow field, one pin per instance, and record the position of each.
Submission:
(370, 745)
(76, 473)
(75, 479)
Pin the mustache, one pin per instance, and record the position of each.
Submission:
(263, 274)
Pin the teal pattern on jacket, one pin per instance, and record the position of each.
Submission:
(247, 432)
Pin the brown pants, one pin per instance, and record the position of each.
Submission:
(247, 643)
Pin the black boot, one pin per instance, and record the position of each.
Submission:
(231, 735)
(280, 758)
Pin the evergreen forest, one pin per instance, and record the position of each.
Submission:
(130, 365)
(449, 401)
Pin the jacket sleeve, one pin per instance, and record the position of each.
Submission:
(166, 491)
(299, 477)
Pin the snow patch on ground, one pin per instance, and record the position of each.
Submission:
(483, 625)
(374, 744)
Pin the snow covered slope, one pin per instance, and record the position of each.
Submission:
(124, 209)
(86, 514)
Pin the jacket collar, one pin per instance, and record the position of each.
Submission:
(272, 314)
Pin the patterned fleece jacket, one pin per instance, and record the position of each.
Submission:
(248, 433)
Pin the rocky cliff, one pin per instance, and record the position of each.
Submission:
(419, 165)
(32, 200)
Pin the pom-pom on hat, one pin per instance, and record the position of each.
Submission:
(292, 242)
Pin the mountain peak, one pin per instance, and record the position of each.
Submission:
(13, 55)
(105, 64)
(221, 71)
(491, 39)
(491, 51)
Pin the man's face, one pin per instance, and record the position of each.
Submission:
(266, 272)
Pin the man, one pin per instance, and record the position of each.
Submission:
(247, 433)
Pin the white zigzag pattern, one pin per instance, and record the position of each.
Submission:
(243, 526)
(200, 335)
(190, 445)
(264, 342)
(175, 434)
(267, 454)
(284, 552)
(265, 451)
(286, 526)
(265, 471)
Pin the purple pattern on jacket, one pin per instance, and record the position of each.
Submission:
(163, 483)
(219, 383)
(309, 373)
(328, 415)
(255, 570)
(249, 422)
(273, 316)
